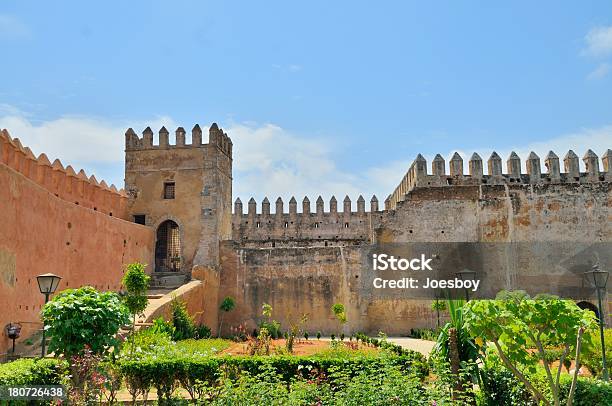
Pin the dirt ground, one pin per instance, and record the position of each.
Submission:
(300, 347)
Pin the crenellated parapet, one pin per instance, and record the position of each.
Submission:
(64, 182)
(216, 137)
(292, 224)
(418, 177)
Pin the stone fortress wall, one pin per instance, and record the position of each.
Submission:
(285, 260)
(300, 259)
(55, 220)
(319, 226)
(63, 182)
(202, 176)
(417, 175)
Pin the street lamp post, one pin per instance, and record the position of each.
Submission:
(13, 331)
(47, 283)
(465, 275)
(600, 279)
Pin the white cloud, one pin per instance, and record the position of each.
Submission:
(83, 142)
(269, 161)
(600, 72)
(599, 41)
(11, 27)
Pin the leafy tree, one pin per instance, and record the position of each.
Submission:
(340, 312)
(456, 348)
(136, 283)
(227, 305)
(516, 323)
(82, 318)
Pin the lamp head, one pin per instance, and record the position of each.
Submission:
(466, 274)
(13, 331)
(48, 283)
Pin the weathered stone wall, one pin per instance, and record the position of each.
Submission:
(202, 175)
(42, 232)
(316, 225)
(62, 182)
(309, 280)
(550, 219)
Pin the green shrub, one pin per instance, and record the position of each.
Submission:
(162, 326)
(501, 388)
(429, 334)
(202, 332)
(273, 328)
(591, 358)
(146, 342)
(182, 321)
(165, 372)
(376, 385)
(77, 318)
(28, 371)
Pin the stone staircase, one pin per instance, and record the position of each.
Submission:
(169, 280)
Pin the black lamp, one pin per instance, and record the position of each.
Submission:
(47, 283)
(13, 331)
(600, 280)
(466, 275)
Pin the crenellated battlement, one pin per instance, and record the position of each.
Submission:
(307, 224)
(64, 182)
(216, 137)
(418, 177)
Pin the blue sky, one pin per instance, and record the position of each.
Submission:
(318, 97)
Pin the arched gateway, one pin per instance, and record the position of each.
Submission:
(168, 248)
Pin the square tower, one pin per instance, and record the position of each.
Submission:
(183, 191)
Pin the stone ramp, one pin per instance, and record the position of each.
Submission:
(161, 298)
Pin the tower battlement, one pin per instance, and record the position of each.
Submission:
(216, 137)
(64, 182)
(418, 177)
(306, 224)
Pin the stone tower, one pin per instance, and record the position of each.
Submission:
(184, 192)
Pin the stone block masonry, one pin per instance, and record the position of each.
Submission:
(303, 256)
(53, 221)
(303, 262)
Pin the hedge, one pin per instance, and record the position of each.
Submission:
(35, 371)
(165, 374)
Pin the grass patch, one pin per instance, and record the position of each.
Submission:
(205, 347)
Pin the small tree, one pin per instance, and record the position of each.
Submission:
(514, 322)
(184, 326)
(82, 318)
(136, 283)
(271, 325)
(295, 327)
(339, 311)
(227, 305)
(439, 306)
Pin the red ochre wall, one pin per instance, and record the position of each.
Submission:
(41, 232)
